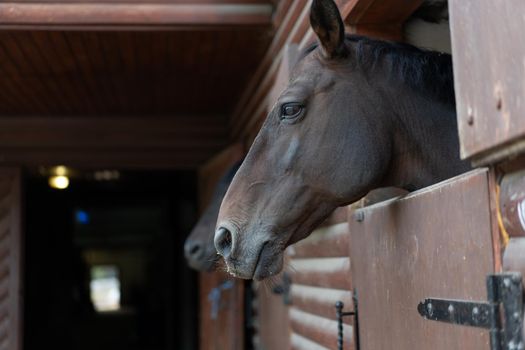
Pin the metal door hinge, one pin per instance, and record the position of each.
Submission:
(502, 315)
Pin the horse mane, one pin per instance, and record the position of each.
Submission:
(422, 70)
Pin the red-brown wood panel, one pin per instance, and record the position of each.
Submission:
(222, 312)
(436, 242)
(113, 74)
(488, 52)
(222, 302)
(10, 260)
(272, 320)
(319, 268)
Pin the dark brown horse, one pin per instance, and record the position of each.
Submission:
(199, 248)
(357, 114)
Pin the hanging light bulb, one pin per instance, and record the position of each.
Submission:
(59, 179)
(59, 182)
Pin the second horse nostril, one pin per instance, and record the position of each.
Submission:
(195, 249)
(223, 241)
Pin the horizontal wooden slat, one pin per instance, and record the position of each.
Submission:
(320, 330)
(123, 159)
(4, 289)
(330, 241)
(321, 301)
(4, 333)
(113, 15)
(299, 342)
(322, 272)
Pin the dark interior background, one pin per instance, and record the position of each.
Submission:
(138, 224)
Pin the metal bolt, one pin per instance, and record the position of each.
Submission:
(359, 216)
(475, 311)
(499, 103)
(470, 116)
(516, 315)
(451, 309)
(430, 309)
(506, 282)
(516, 278)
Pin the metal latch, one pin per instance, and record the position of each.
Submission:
(502, 315)
(339, 305)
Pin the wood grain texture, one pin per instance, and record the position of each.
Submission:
(226, 330)
(299, 342)
(328, 241)
(114, 15)
(436, 242)
(106, 74)
(322, 272)
(318, 329)
(490, 115)
(10, 260)
(273, 321)
(321, 301)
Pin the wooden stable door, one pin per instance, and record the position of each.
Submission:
(433, 243)
(10, 260)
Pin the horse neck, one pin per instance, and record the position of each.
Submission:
(425, 142)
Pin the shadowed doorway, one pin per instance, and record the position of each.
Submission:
(104, 266)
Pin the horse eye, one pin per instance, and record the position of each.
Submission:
(291, 110)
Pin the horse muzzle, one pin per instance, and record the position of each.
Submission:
(259, 263)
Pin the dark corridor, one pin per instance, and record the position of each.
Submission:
(103, 263)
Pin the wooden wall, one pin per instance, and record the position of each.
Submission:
(221, 315)
(10, 260)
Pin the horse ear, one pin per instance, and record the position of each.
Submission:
(327, 23)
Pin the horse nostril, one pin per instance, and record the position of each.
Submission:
(195, 249)
(223, 241)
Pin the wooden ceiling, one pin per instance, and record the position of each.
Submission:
(125, 73)
(96, 62)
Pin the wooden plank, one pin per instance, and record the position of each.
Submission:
(329, 241)
(321, 301)
(318, 329)
(273, 324)
(490, 114)
(435, 242)
(184, 142)
(97, 16)
(299, 342)
(124, 159)
(379, 11)
(322, 272)
(10, 266)
(223, 329)
(214, 169)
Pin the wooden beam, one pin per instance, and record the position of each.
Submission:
(127, 142)
(380, 11)
(112, 133)
(116, 16)
(100, 159)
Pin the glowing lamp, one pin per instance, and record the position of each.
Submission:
(60, 182)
